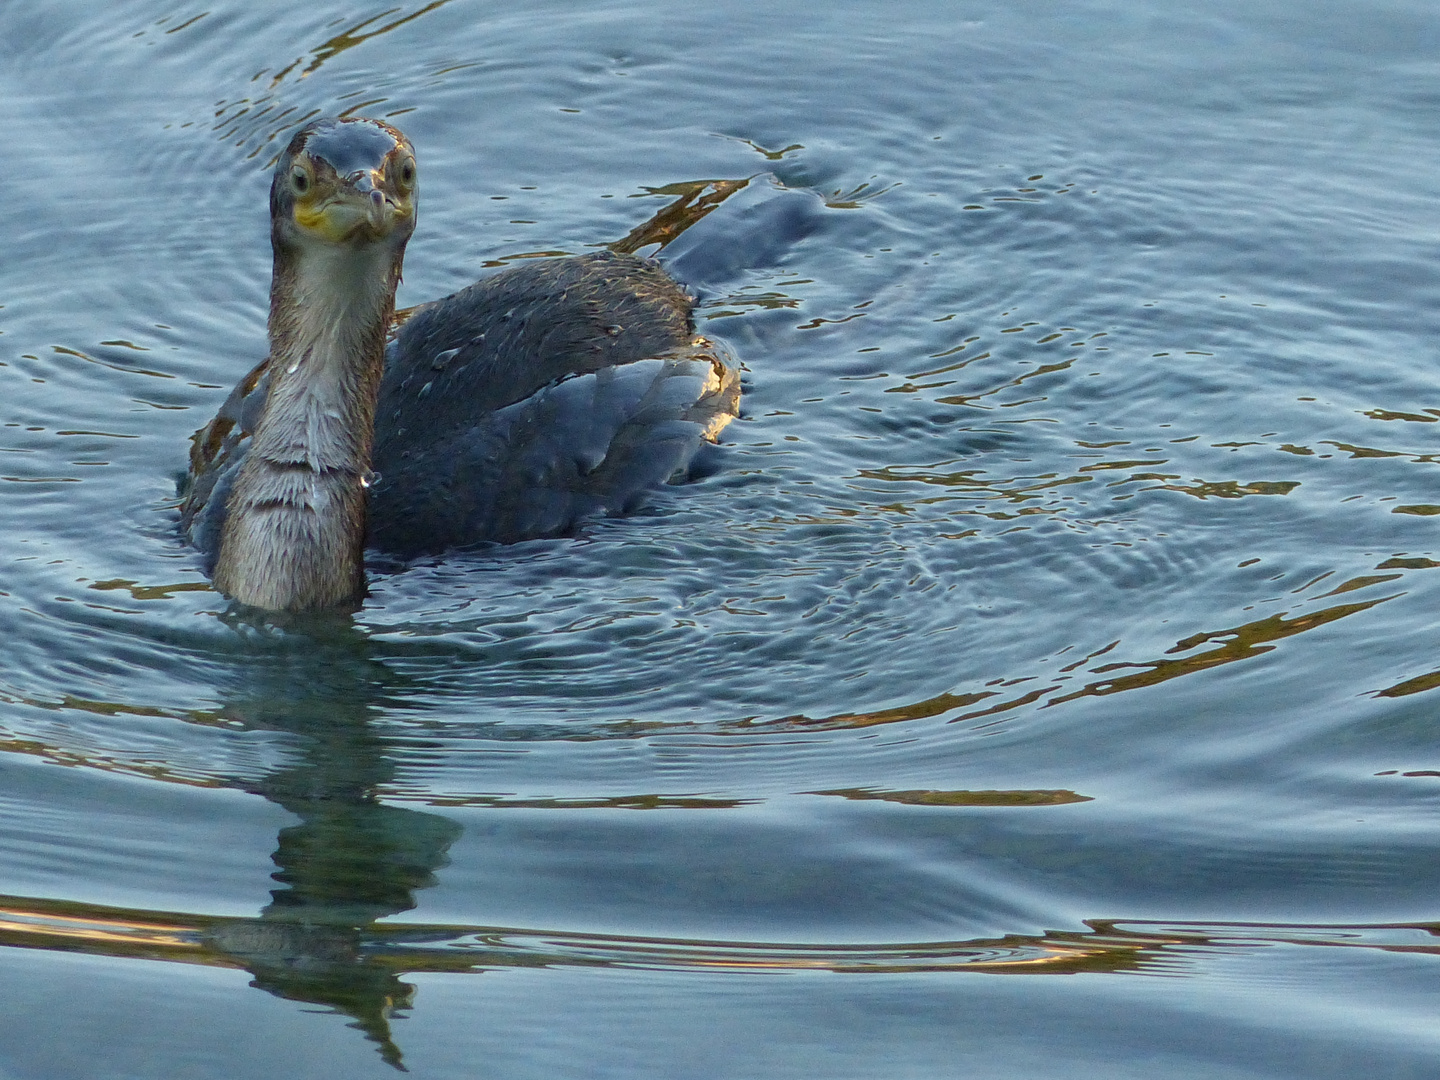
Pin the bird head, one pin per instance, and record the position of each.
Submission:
(344, 183)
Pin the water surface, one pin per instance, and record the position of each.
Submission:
(1061, 604)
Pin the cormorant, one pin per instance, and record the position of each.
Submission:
(551, 391)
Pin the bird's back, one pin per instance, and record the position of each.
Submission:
(545, 394)
(509, 334)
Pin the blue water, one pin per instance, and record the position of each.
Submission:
(1041, 686)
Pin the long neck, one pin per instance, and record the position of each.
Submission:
(294, 532)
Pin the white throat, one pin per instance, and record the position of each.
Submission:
(338, 295)
(295, 526)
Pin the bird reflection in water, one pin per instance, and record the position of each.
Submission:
(352, 859)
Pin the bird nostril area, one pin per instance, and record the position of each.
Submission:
(363, 181)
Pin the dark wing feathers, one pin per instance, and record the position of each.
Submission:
(547, 393)
(586, 445)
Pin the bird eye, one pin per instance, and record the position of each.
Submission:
(299, 180)
(407, 174)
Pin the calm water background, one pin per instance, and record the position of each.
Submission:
(1044, 685)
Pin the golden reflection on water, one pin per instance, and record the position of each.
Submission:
(1232, 489)
(351, 37)
(255, 120)
(1242, 642)
(1108, 945)
(1238, 643)
(1028, 492)
(1374, 452)
(151, 592)
(972, 399)
(56, 755)
(613, 802)
(920, 710)
(120, 762)
(961, 798)
(694, 200)
(1419, 684)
